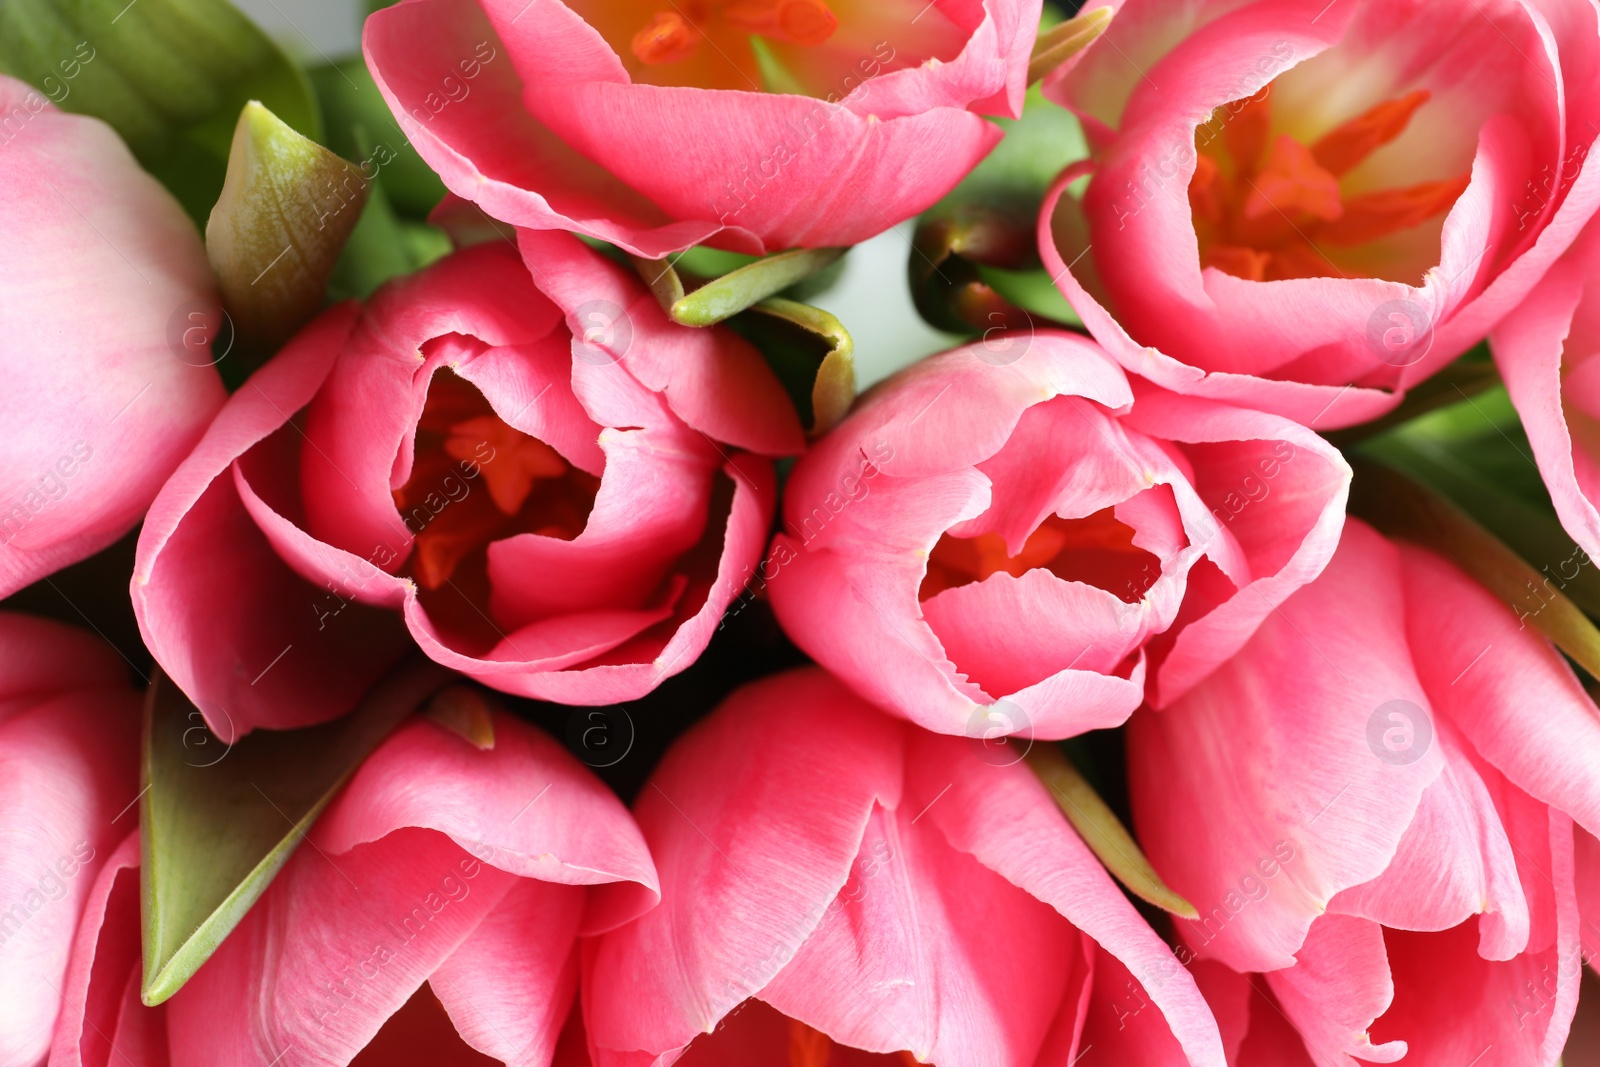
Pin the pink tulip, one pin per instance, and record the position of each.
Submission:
(645, 123)
(69, 729)
(1309, 207)
(518, 464)
(473, 871)
(832, 875)
(996, 542)
(1374, 803)
(1545, 351)
(106, 302)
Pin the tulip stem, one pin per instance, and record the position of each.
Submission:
(833, 389)
(1103, 832)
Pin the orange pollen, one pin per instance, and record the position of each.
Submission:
(1098, 550)
(666, 38)
(474, 479)
(1264, 208)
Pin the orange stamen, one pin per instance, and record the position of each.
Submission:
(1292, 182)
(1342, 148)
(804, 22)
(519, 460)
(1379, 214)
(666, 38)
(474, 479)
(1271, 219)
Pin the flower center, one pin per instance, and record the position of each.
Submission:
(475, 479)
(1097, 550)
(822, 48)
(1267, 208)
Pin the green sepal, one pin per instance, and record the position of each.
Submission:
(218, 821)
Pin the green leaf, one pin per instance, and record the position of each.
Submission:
(284, 215)
(168, 75)
(381, 247)
(1102, 831)
(739, 289)
(975, 265)
(361, 128)
(812, 354)
(1404, 509)
(218, 821)
(1460, 381)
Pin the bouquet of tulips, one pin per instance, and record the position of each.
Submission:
(489, 580)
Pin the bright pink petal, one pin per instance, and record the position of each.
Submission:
(749, 862)
(714, 380)
(1309, 806)
(1001, 815)
(251, 642)
(897, 962)
(1276, 488)
(1485, 670)
(100, 273)
(509, 987)
(68, 768)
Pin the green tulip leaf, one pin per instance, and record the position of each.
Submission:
(361, 127)
(279, 226)
(218, 821)
(168, 75)
(1102, 831)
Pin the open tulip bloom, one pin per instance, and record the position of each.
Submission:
(456, 609)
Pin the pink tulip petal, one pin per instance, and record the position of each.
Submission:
(95, 1015)
(68, 767)
(510, 986)
(100, 271)
(915, 972)
(714, 380)
(1332, 811)
(1457, 848)
(747, 874)
(1338, 985)
(1242, 460)
(221, 612)
(1485, 669)
(526, 806)
(1002, 816)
